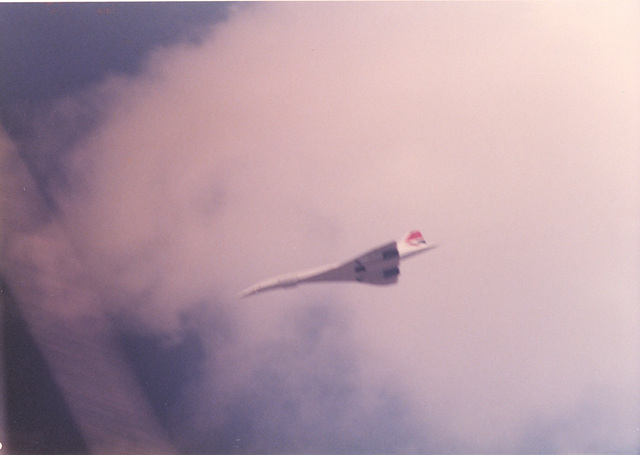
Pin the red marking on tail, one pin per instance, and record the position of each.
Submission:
(414, 238)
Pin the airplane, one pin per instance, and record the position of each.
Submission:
(379, 266)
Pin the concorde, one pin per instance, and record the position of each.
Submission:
(378, 266)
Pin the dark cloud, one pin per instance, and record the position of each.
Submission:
(51, 51)
(55, 49)
(164, 367)
(304, 394)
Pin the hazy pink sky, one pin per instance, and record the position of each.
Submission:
(303, 134)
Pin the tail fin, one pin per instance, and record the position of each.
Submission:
(411, 244)
(413, 238)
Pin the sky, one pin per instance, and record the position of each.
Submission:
(157, 159)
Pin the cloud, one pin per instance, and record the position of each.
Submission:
(74, 35)
(303, 134)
